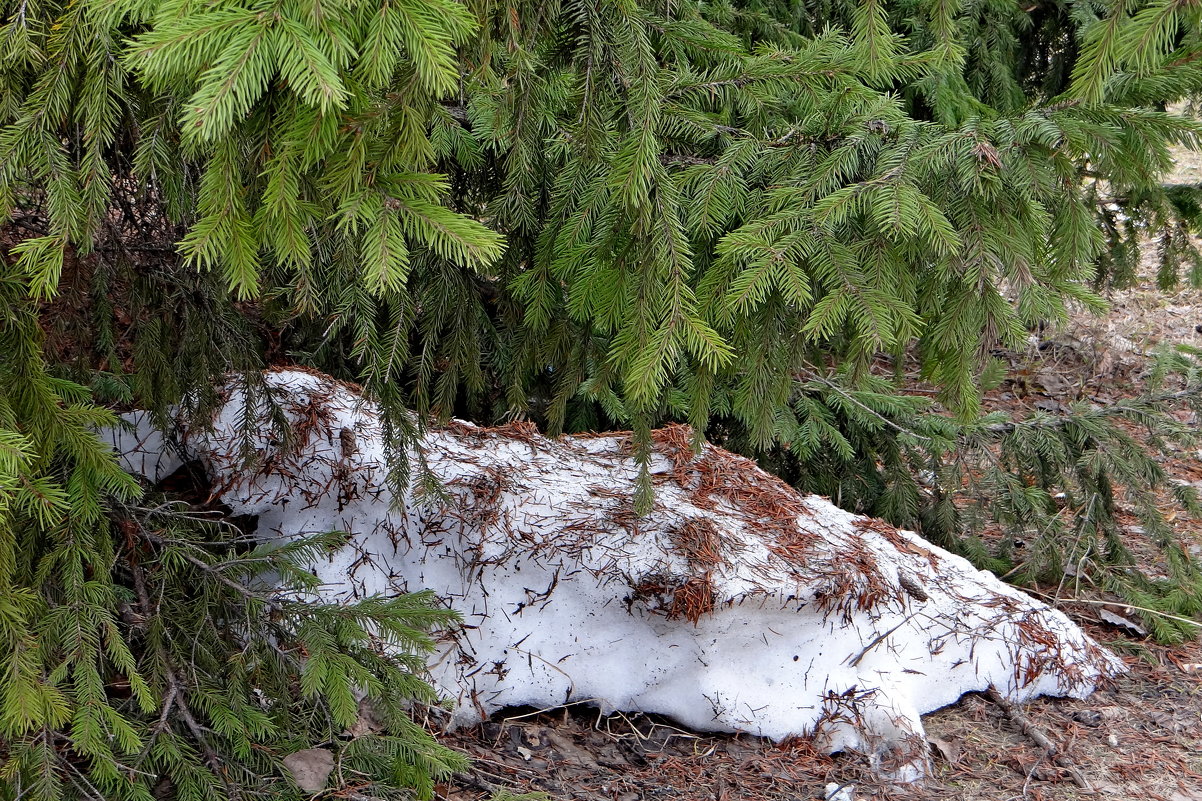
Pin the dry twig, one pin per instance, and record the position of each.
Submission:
(1033, 732)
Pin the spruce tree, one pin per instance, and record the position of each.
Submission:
(592, 214)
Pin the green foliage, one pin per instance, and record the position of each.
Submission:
(148, 645)
(588, 212)
(140, 657)
(1048, 501)
(138, 654)
(691, 200)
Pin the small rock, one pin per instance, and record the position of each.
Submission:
(1051, 381)
(609, 756)
(370, 721)
(310, 768)
(740, 749)
(1113, 741)
(1088, 717)
(569, 751)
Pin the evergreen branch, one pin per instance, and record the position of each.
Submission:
(812, 374)
(1119, 408)
(175, 696)
(271, 602)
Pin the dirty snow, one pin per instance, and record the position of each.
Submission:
(736, 605)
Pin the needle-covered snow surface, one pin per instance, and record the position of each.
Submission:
(736, 605)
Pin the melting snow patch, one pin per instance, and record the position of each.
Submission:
(736, 605)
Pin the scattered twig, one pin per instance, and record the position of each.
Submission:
(477, 783)
(1118, 409)
(881, 638)
(1033, 732)
(813, 374)
(1058, 600)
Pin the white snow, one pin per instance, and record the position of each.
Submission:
(736, 605)
(839, 792)
(142, 447)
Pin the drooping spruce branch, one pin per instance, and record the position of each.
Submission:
(1027, 497)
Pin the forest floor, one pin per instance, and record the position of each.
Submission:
(1137, 737)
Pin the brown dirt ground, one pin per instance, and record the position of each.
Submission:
(1138, 737)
